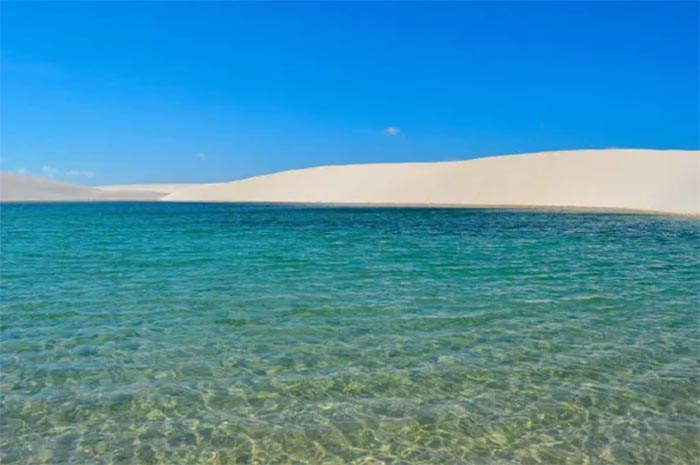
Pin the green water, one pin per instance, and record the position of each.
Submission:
(221, 334)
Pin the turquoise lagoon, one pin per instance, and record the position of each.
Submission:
(217, 334)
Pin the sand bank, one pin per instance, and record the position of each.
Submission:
(647, 180)
(20, 188)
(663, 181)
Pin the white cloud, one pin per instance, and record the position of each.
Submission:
(49, 171)
(87, 174)
(201, 156)
(392, 131)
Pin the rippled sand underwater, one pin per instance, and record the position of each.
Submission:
(221, 334)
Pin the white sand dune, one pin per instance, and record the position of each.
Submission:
(647, 180)
(20, 188)
(650, 180)
(162, 189)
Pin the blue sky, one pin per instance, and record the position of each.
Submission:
(101, 93)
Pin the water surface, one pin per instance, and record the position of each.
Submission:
(217, 334)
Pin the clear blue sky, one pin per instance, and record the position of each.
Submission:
(121, 92)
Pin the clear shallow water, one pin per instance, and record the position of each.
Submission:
(160, 333)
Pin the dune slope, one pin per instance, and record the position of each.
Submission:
(20, 188)
(646, 180)
(650, 180)
(163, 189)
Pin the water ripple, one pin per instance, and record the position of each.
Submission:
(220, 334)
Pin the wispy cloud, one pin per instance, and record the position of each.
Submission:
(201, 156)
(22, 171)
(392, 131)
(49, 171)
(83, 173)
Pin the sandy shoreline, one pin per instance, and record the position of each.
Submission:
(535, 208)
(650, 181)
